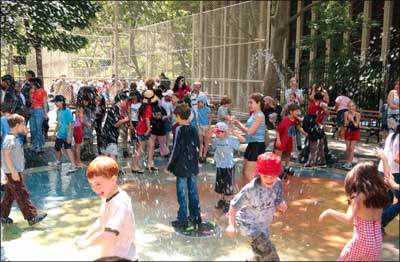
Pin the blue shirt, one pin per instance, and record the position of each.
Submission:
(64, 117)
(259, 135)
(203, 115)
(5, 130)
(224, 151)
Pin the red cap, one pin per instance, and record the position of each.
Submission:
(268, 164)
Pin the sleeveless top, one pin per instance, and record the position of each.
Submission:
(351, 126)
(77, 121)
(396, 101)
(259, 135)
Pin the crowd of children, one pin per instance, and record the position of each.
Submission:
(150, 117)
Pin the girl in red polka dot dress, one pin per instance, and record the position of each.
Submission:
(367, 196)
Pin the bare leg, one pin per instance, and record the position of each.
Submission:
(206, 145)
(58, 155)
(351, 150)
(348, 151)
(77, 155)
(151, 151)
(201, 141)
(138, 154)
(70, 155)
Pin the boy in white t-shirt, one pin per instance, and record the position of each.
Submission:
(114, 230)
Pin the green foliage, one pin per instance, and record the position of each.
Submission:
(27, 24)
(344, 70)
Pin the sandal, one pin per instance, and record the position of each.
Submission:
(137, 171)
(152, 168)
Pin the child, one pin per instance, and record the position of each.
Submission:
(114, 230)
(88, 152)
(224, 112)
(367, 196)
(193, 115)
(12, 164)
(253, 208)
(167, 104)
(183, 163)
(64, 131)
(224, 144)
(78, 135)
(352, 133)
(285, 131)
(113, 122)
(134, 110)
(204, 113)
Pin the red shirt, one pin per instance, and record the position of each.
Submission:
(286, 128)
(313, 108)
(183, 91)
(141, 127)
(37, 97)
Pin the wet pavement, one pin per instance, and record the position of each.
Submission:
(72, 207)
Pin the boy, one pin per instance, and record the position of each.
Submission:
(224, 144)
(64, 129)
(204, 113)
(253, 208)
(114, 230)
(285, 131)
(113, 122)
(13, 164)
(183, 163)
(166, 103)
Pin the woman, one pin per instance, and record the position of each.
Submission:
(341, 103)
(393, 102)
(181, 88)
(254, 130)
(391, 152)
(38, 114)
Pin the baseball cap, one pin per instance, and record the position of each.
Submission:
(169, 92)
(268, 164)
(220, 127)
(58, 98)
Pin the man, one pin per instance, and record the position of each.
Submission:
(294, 89)
(195, 94)
(10, 96)
(26, 87)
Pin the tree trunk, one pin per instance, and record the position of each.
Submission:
(39, 63)
(279, 27)
(133, 54)
(10, 64)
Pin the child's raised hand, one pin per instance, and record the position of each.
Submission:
(230, 231)
(324, 214)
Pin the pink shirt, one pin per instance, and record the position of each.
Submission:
(342, 102)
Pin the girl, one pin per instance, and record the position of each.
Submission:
(100, 111)
(204, 113)
(366, 192)
(78, 135)
(255, 134)
(143, 128)
(133, 113)
(352, 133)
(39, 111)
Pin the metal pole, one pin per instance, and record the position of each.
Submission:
(116, 42)
(129, 58)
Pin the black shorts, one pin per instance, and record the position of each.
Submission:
(60, 142)
(225, 180)
(253, 150)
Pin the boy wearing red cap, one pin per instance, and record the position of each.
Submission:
(253, 208)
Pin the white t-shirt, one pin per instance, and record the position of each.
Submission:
(342, 102)
(116, 216)
(168, 107)
(135, 111)
(299, 94)
(391, 149)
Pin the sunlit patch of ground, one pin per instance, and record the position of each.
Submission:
(297, 234)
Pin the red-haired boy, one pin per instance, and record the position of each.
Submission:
(114, 230)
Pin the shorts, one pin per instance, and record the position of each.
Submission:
(286, 145)
(111, 149)
(143, 137)
(352, 135)
(167, 126)
(263, 248)
(59, 144)
(203, 130)
(224, 181)
(253, 150)
(340, 117)
(393, 122)
(78, 134)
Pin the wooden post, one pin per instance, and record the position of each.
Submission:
(286, 42)
(116, 42)
(387, 23)
(299, 33)
(268, 33)
(313, 51)
(261, 35)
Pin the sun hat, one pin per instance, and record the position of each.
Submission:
(149, 97)
(202, 98)
(268, 164)
(220, 127)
